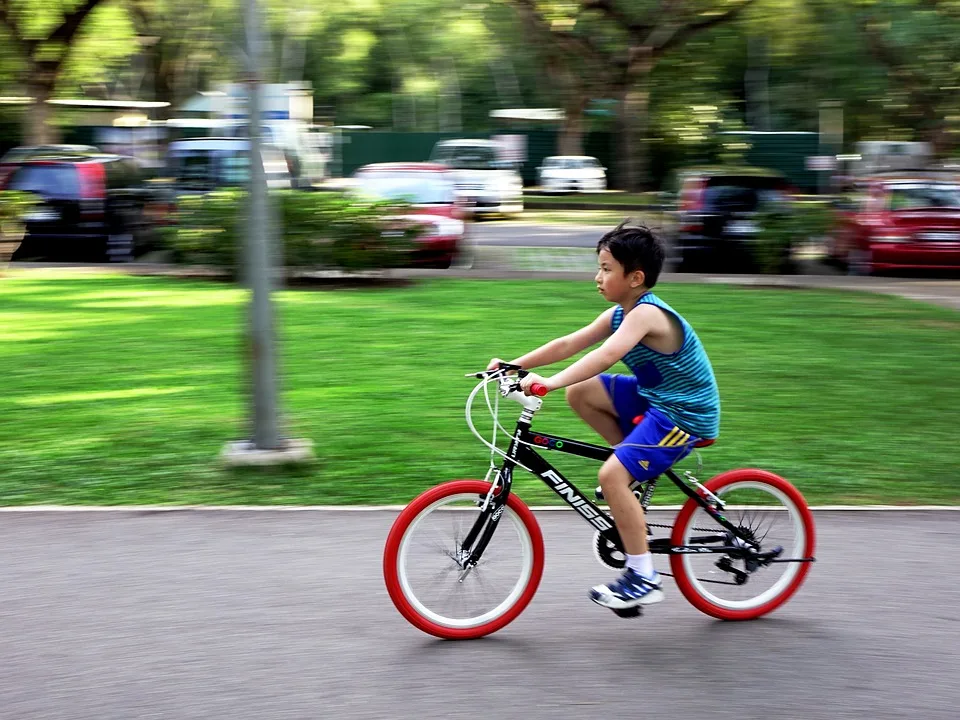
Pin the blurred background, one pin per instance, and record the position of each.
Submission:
(640, 105)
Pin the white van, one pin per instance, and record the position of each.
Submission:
(205, 164)
(486, 184)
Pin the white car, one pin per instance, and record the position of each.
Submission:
(485, 184)
(572, 173)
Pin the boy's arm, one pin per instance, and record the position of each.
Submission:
(633, 329)
(568, 345)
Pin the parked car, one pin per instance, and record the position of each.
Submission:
(205, 164)
(13, 157)
(485, 183)
(572, 173)
(897, 221)
(429, 189)
(91, 206)
(717, 215)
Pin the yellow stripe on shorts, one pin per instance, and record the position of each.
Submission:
(680, 439)
(670, 437)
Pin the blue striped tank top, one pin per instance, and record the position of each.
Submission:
(681, 385)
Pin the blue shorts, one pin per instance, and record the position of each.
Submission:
(652, 446)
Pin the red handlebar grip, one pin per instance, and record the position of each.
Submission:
(539, 390)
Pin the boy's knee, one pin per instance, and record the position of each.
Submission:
(578, 395)
(613, 474)
(574, 396)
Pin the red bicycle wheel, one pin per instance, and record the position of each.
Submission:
(767, 509)
(422, 571)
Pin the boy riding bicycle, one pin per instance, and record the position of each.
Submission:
(652, 417)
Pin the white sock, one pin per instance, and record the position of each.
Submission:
(642, 564)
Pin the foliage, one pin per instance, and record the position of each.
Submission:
(13, 206)
(317, 230)
(786, 225)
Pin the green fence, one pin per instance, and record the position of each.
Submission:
(786, 152)
(362, 147)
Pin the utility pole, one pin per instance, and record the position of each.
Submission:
(266, 447)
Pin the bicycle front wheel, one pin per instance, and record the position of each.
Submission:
(766, 509)
(423, 555)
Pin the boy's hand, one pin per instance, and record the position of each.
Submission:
(494, 364)
(532, 378)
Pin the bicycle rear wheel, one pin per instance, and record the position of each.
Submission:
(767, 509)
(422, 571)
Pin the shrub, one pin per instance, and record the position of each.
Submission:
(784, 226)
(13, 207)
(312, 229)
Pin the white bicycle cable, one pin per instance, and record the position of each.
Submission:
(494, 411)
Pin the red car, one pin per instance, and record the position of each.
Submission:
(899, 221)
(430, 190)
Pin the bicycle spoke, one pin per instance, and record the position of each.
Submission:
(433, 573)
(761, 515)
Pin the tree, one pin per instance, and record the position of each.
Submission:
(44, 41)
(628, 41)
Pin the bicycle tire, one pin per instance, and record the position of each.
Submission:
(802, 545)
(399, 540)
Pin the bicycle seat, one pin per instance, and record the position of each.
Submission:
(698, 444)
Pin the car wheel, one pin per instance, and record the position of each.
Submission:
(859, 262)
(120, 247)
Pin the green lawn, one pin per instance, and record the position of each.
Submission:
(608, 198)
(124, 390)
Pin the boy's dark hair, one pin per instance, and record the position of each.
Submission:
(636, 248)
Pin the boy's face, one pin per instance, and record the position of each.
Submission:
(612, 282)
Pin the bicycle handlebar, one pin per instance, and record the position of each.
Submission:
(537, 389)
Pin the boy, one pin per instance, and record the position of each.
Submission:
(672, 391)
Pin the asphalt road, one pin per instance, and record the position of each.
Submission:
(530, 235)
(253, 615)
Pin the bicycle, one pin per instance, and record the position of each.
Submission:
(720, 538)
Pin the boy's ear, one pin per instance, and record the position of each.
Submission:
(637, 278)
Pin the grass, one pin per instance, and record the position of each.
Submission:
(607, 198)
(124, 390)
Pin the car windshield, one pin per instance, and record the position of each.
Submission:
(466, 157)
(204, 169)
(924, 195)
(418, 188)
(50, 181)
(741, 194)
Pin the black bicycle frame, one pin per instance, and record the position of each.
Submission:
(521, 453)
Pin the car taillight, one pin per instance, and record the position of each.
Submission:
(691, 198)
(92, 189)
(92, 181)
(691, 227)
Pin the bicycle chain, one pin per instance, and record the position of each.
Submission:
(670, 527)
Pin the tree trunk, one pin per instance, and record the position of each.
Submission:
(634, 140)
(634, 119)
(36, 123)
(570, 141)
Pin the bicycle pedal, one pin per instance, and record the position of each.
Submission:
(630, 612)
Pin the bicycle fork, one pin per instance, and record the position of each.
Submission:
(480, 534)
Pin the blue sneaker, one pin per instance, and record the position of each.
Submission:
(630, 590)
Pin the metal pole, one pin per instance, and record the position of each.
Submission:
(258, 257)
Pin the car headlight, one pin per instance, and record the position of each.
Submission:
(444, 227)
(891, 238)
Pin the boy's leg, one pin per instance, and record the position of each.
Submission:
(648, 450)
(628, 515)
(591, 401)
